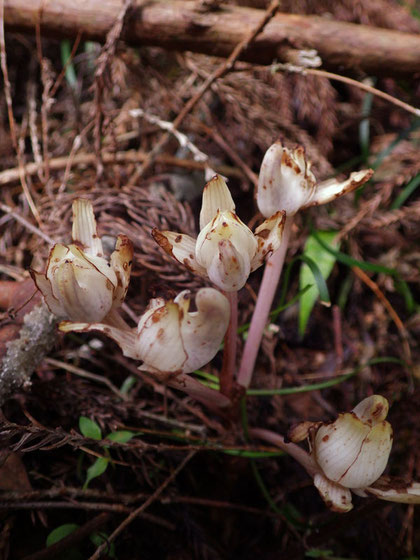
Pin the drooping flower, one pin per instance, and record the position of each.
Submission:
(79, 283)
(226, 251)
(352, 452)
(286, 182)
(169, 338)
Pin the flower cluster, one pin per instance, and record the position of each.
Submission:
(86, 290)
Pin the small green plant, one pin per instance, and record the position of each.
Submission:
(90, 429)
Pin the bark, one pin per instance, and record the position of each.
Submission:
(189, 25)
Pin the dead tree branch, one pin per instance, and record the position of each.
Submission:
(195, 26)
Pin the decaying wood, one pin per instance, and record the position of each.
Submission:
(193, 25)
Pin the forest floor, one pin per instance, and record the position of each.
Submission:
(194, 485)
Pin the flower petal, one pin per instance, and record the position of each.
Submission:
(372, 410)
(352, 453)
(225, 248)
(335, 496)
(44, 286)
(331, 189)
(394, 490)
(269, 235)
(181, 247)
(229, 269)
(84, 227)
(202, 331)
(285, 181)
(125, 338)
(85, 293)
(121, 261)
(159, 341)
(216, 196)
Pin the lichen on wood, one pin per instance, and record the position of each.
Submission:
(25, 353)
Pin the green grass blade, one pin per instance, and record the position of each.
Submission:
(406, 192)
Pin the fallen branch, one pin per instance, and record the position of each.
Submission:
(131, 156)
(190, 25)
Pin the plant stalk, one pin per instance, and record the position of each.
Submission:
(299, 454)
(265, 298)
(229, 353)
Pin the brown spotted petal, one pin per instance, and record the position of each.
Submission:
(335, 496)
(172, 339)
(286, 181)
(120, 262)
(394, 490)
(225, 249)
(328, 191)
(269, 235)
(353, 451)
(181, 247)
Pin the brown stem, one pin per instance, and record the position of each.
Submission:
(189, 25)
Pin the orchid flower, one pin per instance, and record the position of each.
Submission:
(169, 338)
(226, 251)
(286, 182)
(351, 453)
(79, 283)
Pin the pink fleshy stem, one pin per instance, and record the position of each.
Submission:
(265, 298)
(299, 454)
(211, 398)
(227, 373)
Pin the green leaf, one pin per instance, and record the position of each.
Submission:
(60, 532)
(95, 470)
(89, 428)
(99, 538)
(318, 264)
(349, 261)
(122, 436)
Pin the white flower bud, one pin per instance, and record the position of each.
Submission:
(226, 251)
(286, 182)
(79, 283)
(353, 451)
